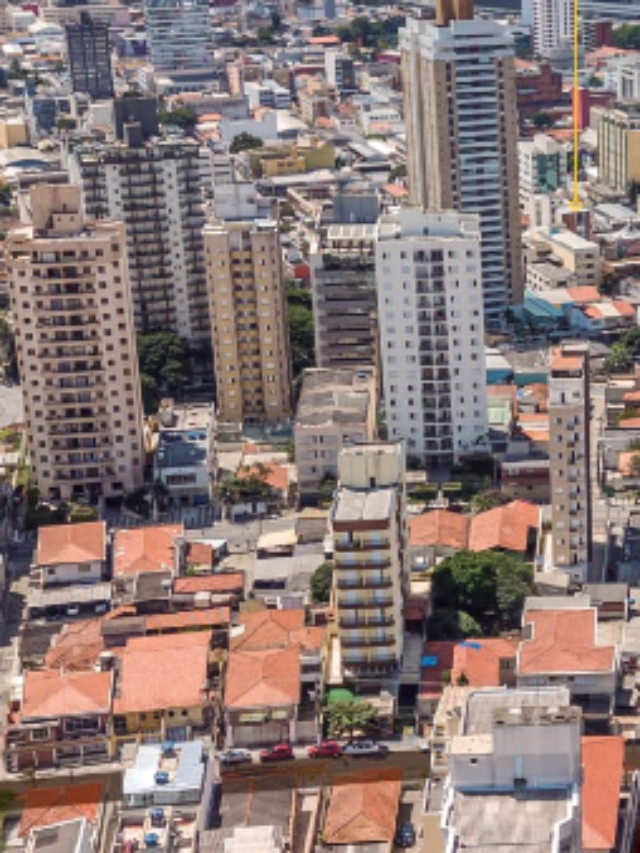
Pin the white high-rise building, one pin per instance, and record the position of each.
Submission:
(429, 283)
(462, 132)
(542, 167)
(180, 34)
(553, 25)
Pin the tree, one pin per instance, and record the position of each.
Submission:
(8, 354)
(6, 194)
(321, 582)
(164, 366)
(448, 624)
(183, 117)
(301, 331)
(66, 123)
(634, 465)
(627, 36)
(327, 489)
(82, 514)
(245, 142)
(488, 587)
(349, 717)
(399, 171)
(488, 499)
(542, 120)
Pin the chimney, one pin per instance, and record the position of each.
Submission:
(453, 10)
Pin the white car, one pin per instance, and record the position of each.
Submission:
(364, 747)
(235, 756)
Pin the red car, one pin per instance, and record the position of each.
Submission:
(326, 749)
(279, 752)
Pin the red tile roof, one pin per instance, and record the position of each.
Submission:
(363, 809)
(505, 527)
(602, 761)
(563, 641)
(431, 677)
(439, 527)
(185, 619)
(145, 549)
(277, 476)
(481, 666)
(166, 671)
(624, 308)
(50, 693)
(262, 679)
(76, 647)
(47, 806)
(220, 582)
(200, 554)
(584, 293)
(72, 543)
(276, 629)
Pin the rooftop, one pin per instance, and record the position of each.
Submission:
(263, 678)
(276, 629)
(220, 582)
(145, 549)
(506, 527)
(363, 808)
(359, 505)
(335, 397)
(186, 771)
(51, 693)
(602, 760)
(50, 806)
(72, 543)
(182, 448)
(439, 527)
(483, 705)
(166, 671)
(563, 641)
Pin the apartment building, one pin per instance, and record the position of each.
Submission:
(429, 280)
(619, 146)
(248, 321)
(336, 408)
(461, 117)
(570, 455)
(155, 187)
(71, 299)
(343, 286)
(371, 557)
(340, 71)
(89, 57)
(515, 773)
(179, 33)
(578, 256)
(553, 25)
(542, 165)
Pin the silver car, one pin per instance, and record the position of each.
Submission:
(364, 747)
(235, 756)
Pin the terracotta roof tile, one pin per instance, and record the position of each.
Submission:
(506, 527)
(563, 641)
(50, 693)
(167, 671)
(277, 476)
(602, 761)
(481, 666)
(145, 549)
(72, 543)
(260, 679)
(441, 652)
(584, 293)
(363, 809)
(47, 806)
(439, 527)
(276, 629)
(625, 309)
(76, 647)
(219, 582)
(184, 619)
(200, 554)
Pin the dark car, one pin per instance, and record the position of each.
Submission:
(405, 835)
(279, 752)
(326, 749)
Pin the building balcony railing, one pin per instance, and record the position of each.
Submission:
(364, 642)
(370, 545)
(372, 583)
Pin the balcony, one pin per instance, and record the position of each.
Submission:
(366, 642)
(364, 565)
(370, 545)
(357, 621)
(373, 583)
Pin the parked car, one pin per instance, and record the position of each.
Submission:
(279, 752)
(364, 747)
(405, 835)
(326, 749)
(235, 756)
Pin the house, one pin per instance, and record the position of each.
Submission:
(60, 719)
(262, 698)
(72, 553)
(184, 766)
(603, 765)
(560, 646)
(610, 599)
(282, 629)
(143, 550)
(363, 810)
(164, 688)
(218, 588)
(45, 807)
(512, 528)
(439, 532)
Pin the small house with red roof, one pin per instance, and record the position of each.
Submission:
(72, 553)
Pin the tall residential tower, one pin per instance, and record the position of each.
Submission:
(462, 129)
(71, 301)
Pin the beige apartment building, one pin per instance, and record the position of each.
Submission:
(71, 300)
(569, 453)
(462, 134)
(248, 322)
(371, 557)
(578, 256)
(619, 146)
(336, 408)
